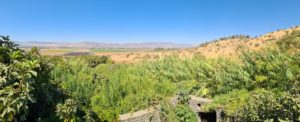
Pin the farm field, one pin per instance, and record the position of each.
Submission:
(118, 55)
(117, 50)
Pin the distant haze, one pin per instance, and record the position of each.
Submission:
(89, 45)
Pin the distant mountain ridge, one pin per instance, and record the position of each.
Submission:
(90, 45)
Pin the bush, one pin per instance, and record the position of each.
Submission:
(18, 73)
(290, 42)
(177, 113)
(93, 61)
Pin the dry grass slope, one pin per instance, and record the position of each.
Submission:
(230, 47)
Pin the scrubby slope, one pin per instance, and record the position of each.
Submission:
(230, 47)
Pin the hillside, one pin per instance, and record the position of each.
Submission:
(230, 47)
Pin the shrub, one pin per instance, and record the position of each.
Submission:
(256, 44)
(291, 41)
(93, 61)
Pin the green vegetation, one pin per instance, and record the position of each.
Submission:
(290, 41)
(260, 86)
(17, 72)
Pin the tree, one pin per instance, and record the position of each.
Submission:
(17, 75)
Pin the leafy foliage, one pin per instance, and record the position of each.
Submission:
(177, 113)
(17, 75)
(266, 105)
(68, 110)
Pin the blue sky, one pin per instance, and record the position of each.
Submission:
(121, 21)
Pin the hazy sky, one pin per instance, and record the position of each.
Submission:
(180, 21)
